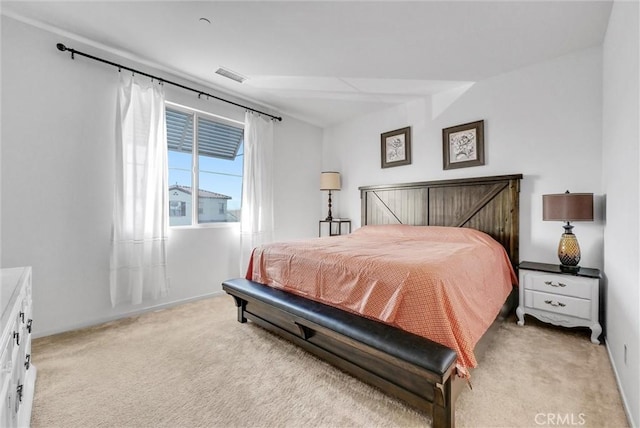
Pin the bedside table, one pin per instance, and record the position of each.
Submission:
(337, 221)
(569, 299)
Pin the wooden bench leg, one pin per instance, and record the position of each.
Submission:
(241, 305)
(443, 406)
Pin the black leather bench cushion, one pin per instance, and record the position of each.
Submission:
(406, 346)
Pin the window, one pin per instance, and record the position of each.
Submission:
(177, 209)
(216, 171)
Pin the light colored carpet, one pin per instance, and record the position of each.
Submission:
(196, 366)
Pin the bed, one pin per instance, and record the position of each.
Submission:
(424, 373)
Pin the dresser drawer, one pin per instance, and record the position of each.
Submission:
(6, 364)
(7, 416)
(571, 306)
(558, 284)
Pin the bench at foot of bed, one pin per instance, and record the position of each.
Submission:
(412, 368)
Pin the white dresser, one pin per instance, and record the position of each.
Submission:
(17, 374)
(569, 299)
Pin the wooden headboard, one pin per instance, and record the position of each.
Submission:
(489, 204)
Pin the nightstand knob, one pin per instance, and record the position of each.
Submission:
(555, 285)
(552, 303)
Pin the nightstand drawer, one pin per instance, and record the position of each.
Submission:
(557, 284)
(558, 304)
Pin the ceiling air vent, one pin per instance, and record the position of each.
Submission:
(230, 74)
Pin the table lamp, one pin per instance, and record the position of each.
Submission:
(329, 180)
(568, 207)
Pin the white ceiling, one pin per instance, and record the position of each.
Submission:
(326, 62)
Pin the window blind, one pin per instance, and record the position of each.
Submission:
(215, 139)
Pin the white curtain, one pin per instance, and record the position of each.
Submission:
(256, 225)
(139, 234)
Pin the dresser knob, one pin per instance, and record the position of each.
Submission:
(29, 322)
(555, 285)
(16, 336)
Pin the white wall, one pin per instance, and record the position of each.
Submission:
(543, 121)
(296, 180)
(621, 159)
(57, 159)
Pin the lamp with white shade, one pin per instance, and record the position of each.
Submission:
(330, 180)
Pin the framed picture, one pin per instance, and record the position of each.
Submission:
(463, 145)
(395, 147)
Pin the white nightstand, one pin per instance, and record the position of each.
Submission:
(569, 299)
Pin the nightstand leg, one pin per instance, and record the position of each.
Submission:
(596, 330)
(520, 314)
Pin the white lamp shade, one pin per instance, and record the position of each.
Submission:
(330, 180)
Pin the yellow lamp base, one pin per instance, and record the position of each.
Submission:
(569, 250)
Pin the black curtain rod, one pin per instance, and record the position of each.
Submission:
(74, 52)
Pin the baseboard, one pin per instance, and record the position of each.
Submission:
(128, 314)
(625, 403)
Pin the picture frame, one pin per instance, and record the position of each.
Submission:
(395, 147)
(463, 145)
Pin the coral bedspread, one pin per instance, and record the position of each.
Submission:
(446, 284)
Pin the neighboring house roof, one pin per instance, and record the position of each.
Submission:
(201, 193)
